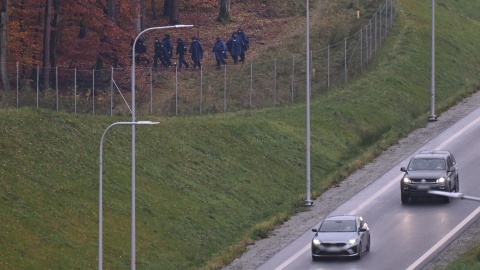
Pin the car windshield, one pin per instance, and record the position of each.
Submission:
(426, 164)
(338, 226)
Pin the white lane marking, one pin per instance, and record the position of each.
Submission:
(293, 258)
(378, 193)
(454, 136)
(304, 249)
(444, 239)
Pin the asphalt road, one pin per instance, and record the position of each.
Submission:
(403, 236)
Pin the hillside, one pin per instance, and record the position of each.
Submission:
(209, 186)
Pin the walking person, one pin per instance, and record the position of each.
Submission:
(140, 52)
(220, 50)
(160, 54)
(245, 43)
(196, 50)
(234, 47)
(168, 45)
(181, 51)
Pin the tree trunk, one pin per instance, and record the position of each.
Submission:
(167, 7)
(111, 9)
(224, 15)
(154, 10)
(4, 45)
(46, 45)
(143, 15)
(55, 38)
(174, 14)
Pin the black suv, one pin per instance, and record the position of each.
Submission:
(429, 170)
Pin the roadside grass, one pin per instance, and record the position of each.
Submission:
(470, 260)
(209, 186)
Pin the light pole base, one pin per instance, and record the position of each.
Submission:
(432, 118)
(308, 203)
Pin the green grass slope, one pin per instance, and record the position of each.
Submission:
(208, 186)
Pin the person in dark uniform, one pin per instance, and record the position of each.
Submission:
(196, 51)
(245, 43)
(140, 51)
(181, 51)
(220, 50)
(168, 45)
(234, 47)
(160, 53)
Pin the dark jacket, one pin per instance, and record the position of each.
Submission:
(160, 49)
(220, 49)
(168, 44)
(234, 45)
(244, 38)
(181, 48)
(196, 50)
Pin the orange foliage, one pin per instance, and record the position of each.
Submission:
(107, 42)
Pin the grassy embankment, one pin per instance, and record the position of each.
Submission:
(207, 186)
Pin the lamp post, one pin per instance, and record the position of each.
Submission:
(100, 200)
(133, 261)
(308, 201)
(432, 116)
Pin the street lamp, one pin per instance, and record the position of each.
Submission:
(308, 201)
(133, 262)
(100, 200)
(432, 116)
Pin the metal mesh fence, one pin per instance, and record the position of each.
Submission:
(175, 92)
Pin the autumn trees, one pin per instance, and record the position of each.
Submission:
(83, 34)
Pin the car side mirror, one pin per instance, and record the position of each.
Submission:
(403, 169)
(314, 230)
(364, 228)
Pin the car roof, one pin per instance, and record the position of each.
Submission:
(342, 217)
(433, 153)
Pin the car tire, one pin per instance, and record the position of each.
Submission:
(369, 243)
(314, 258)
(404, 199)
(446, 199)
(457, 186)
(360, 251)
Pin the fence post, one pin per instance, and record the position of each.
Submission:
(17, 83)
(93, 91)
(386, 17)
(111, 92)
(224, 88)
(251, 83)
(293, 74)
(361, 49)
(345, 47)
(38, 78)
(375, 32)
(201, 90)
(151, 89)
(176, 91)
(56, 84)
(328, 67)
(274, 82)
(75, 90)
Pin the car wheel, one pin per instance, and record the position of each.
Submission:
(369, 243)
(405, 199)
(446, 199)
(360, 251)
(314, 258)
(457, 186)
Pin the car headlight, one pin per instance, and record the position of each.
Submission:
(441, 180)
(316, 242)
(352, 242)
(406, 180)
